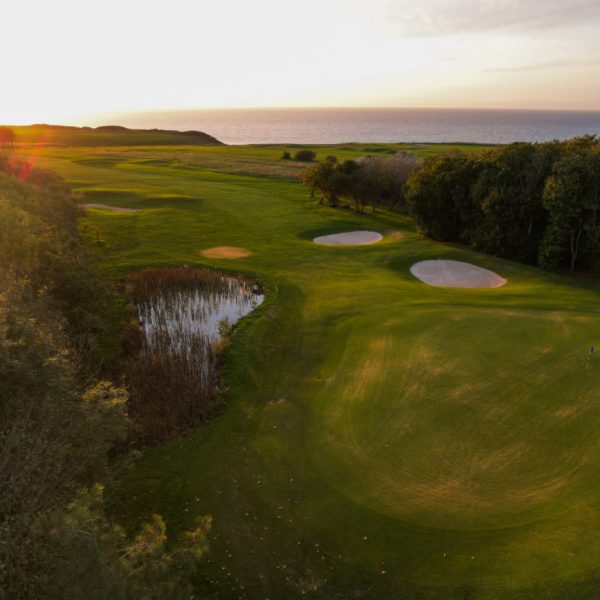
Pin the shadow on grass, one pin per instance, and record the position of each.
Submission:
(129, 199)
(103, 163)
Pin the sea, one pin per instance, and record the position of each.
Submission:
(345, 125)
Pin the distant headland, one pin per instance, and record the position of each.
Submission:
(109, 135)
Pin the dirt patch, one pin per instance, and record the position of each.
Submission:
(278, 401)
(350, 238)
(396, 235)
(113, 208)
(372, 369)
(230, 252)
(456, 274)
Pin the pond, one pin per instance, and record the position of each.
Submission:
(185, 316)
(176, 316)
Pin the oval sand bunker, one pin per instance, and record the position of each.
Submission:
(456, 274)
(230, 252)
(351, 238)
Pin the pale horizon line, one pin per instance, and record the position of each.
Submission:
(130, 112)
(347, 107)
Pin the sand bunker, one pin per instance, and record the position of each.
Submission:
(456, 274)
(113, 208)
(226, 252)
(351, 238)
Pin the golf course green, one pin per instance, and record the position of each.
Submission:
(378, 437)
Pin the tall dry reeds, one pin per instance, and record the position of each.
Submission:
(173, 372)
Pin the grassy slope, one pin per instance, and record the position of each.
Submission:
(57, 135)
(381, 438)
(261, 161)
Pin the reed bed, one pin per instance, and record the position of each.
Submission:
(174, 373)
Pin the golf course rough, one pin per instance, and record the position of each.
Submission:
(350, 238)
(456, 274)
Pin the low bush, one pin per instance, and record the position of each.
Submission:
(305, 156)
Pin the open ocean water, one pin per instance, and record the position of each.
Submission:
(343, 125)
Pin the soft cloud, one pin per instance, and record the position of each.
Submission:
(444, 17)
(544, 66)
(70, 59)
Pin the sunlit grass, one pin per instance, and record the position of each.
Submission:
(379, 436)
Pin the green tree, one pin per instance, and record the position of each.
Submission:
(7, 137)
(318, 178)
(438, 196)
(305, 156)
(346, 180)
(509, 196)
(572, 199)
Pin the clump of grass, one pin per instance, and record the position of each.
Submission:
(175, 371)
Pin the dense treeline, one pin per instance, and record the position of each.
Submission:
(535, 203)
(370, 181)
(59, 423)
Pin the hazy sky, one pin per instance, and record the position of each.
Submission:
(66, 60)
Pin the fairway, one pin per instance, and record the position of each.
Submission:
(379, 438)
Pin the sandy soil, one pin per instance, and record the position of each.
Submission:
(225, 252)
(453, 273)
(113, 208)
(351, 238)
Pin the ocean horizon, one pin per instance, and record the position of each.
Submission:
(346, 125)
